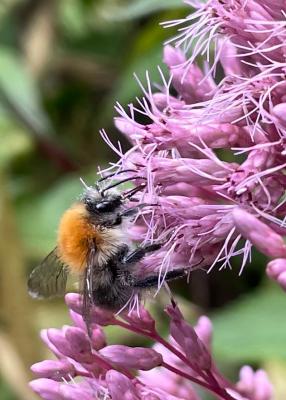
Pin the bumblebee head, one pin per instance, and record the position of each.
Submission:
(97, 202)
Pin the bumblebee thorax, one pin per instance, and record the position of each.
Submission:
(75, 233)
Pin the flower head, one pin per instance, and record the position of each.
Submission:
(88, 368)
(213, 152)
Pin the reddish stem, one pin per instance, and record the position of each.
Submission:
(217, 390)
(101, 362)
(186, 376)
(220, 378)
(106, 365)
(181, 356)
(82, 373)
(154, 335)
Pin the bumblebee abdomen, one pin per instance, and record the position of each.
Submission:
(112, 297)
(75, 234)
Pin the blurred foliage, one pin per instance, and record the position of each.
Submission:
(5, 391)
(251, 324)
(63, 65)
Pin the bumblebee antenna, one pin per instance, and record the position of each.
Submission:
(133, 191)
(120, 182)
(84, 184)
(87, 188)
(115, 174)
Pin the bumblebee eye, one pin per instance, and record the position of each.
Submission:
(102, 206)
(109, 205)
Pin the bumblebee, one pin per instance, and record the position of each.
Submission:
(93, 243)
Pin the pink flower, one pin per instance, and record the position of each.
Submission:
(51, 390)
(255, 29)
(259, 234)
(84, 369)
(207, 204)
(254, 385)
(141, 318)
(214, 156)
(120, 387)
(276, 270)
(204, 331)
(185, 336)
(54, 369)
(132, 357)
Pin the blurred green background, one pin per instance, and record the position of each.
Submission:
(63, 65)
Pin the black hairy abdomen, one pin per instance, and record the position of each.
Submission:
(112, 298)
(113, 285)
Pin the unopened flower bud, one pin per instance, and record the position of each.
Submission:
(259, 234)
(140, 318)
(80, 347)
(185, 335)
(76, 392)
(54, 369)
(121, 387)
(280, 112)
(51, 346)
(47, 389)
(58, 340)
(98, 315)
(282, 280)
(204, 330)
(98, 339)
(254, 385)
(276, 267)
(77, 320)
(263, 387)
(132, 357)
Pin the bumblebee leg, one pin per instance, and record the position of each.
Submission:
(134, 210)
(152, 281)
(121, 253)
(126, 279)
(129, 212)
(139, 253)
(132, 192)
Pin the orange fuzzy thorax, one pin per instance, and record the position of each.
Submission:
(74, 235)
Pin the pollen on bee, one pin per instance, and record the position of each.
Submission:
(75, 233)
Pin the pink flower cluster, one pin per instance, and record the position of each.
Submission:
(87, 368)
(211, 141)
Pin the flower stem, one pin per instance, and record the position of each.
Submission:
(214, 389)
(181, 356)
(154, 335)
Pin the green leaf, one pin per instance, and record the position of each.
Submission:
(5, 392)
(127, 87)
(19, 93)
(145, 54)
(14, 141)
(6, 7)
(137, 9)
(252, 329)
(73, 17)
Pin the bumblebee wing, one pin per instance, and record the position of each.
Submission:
(88, 287)
(49, 278)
